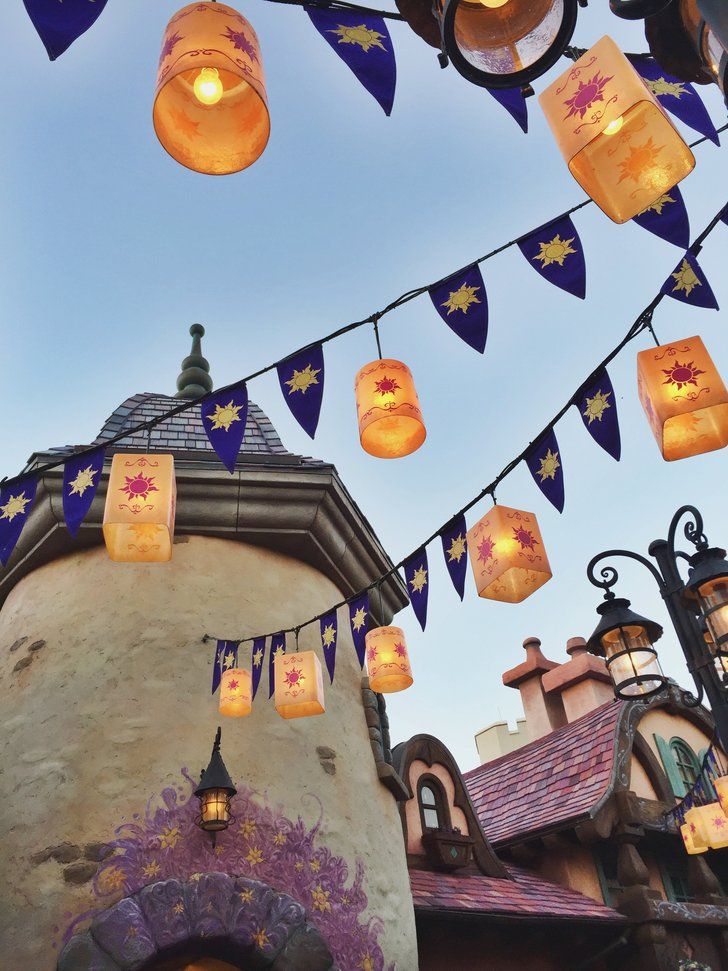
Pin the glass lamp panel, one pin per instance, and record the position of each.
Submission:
(215, 809)
(714, 600)
(617, 140)
(630, 655)
(236, 693)
(507, 555)
(140, 508)
(390, 420)
(299, 690)
(388, 664)
(721, 788)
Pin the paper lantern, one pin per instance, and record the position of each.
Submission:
(236, 693)
(711, 825)
(617, 140)
(299, 685)
(140, 507)
(692, 846)
(388, 663)
(507, 555)
(210, 107)
(684, 398)
(721, 788)
(390, 420)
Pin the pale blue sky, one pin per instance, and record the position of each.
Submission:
(109, 250)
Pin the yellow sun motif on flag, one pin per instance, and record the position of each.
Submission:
(640, 160)
(685, 278)
(329, 635)
(457, 548)
(461, 299)
(278, 652)
(258, 658)
(659, 204)
(359, 618)
(596, 406)
(661, 86)
(84, 480)
(224, 416)
(15, 506)
(555, 251)
(302, 380)
(549, 466)
(419, 579)
(361, 36)
(228, 660)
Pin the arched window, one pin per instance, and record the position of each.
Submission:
(686, 761)
(433, 804)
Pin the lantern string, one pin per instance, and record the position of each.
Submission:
(643, 322)
(375, 321)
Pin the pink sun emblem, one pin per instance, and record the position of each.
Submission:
(169, 45)
(485, 549)
(371, 654)
(586, 95)
(719, 821)
(240, 42)
(138, 486)
(233, 685)
(400, 650)
(525, 537)
(692, 827)
(387, 385)
(682, 374)
(294, 677)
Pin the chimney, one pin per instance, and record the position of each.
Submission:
(544, 714)
(582, 683)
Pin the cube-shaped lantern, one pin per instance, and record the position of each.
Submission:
(388, 663)
(684, 398)
(692, 845)
(721, 788)
(711, 825)
(617, 140)
(299, 685)
(390, 420)
(140, 507)
(507, 555)
(236, 693)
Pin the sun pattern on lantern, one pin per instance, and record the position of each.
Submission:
(240, 42)
(485, 549)
(419, 579)
(586, 95)
(84, 480)
(461, 299)
(225, 415)
(685, 278)
(555, 251)
(659, 204)
(387, 386)
(329, 635)
(457, 548)
(596, 406)
(549, 466)
(662, 86)
(361, 36)
(400, 650)
(524, 537)
(15, 506)
(371, 654)
(641, 158)
(169, 45)
(138, 486)
(294, 677)
(682, 374)
(144, 532)
(302, 380)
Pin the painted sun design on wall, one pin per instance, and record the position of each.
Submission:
(685, 278)
(387, 385)
(138, 486)
(663, 86)
(304, 379)
(596, 406)
(524, 537)
(457, 548)
(586, 94)
(682, 374)
(361, 36)
(461, 299)
(555, 250)
(419, 579)
(549, 466)
(640, 160)
(84, 480)
(240, 42)
(659, 204)
(15, 506)
(224, 416)
(485, 549)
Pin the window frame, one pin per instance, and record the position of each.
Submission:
(430, 781)
(679, 748)
(607, 884)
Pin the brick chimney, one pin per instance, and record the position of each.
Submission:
(582, 683)
(543, 714)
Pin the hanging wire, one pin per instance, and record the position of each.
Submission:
(375, 321)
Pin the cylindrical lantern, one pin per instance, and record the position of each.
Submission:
(721, 788)
(236, 693)
(617, 140)
(507, 555)
(140, 508)
(692, 845)
(390, 420)
(210, 107)
(299, 685)
(711, 825)
(388, 663)
(626, 640)
(684, 398)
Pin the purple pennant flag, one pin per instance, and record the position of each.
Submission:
(329, 631)
(277, 647)
(358, 611)
(217, 665)
(81, 477)
(60, 24)
(258, 655)
(678, 97)
(724, 215)
(555, 251)
(301, 378)
(462, 303)
(667, 218)
(363, 43)
(454, 538)
(224, 416)
(417, 579)
(16, 501)
(689, 284)
(544, 462)
(598, 409)
(513, 101)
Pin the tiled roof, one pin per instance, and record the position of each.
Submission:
(525, 895)
(555, 779)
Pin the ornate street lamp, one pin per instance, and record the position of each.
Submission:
(215, 792)
(626, 640)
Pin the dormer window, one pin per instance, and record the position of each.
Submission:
(433, 804)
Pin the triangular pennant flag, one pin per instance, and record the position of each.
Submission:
(16, 501)
(724, 215)
(258, 655)
(60, 24)
(667, 218)
(229, 658)
(363, 43)
(217, 665)
(301, 378)
(689, 284)
(358, 611)
(277, 647)
(417, 579)
(81, 477)
(544, 463)
(454, 538)
(329, 632)
(678, 97)
(598, 409)
(513, 101)
(462, 303)
(555, 251)
(224, 416)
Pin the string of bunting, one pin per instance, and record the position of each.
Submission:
(702, 792)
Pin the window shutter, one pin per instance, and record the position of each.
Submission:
(676, 783)
(707, 782)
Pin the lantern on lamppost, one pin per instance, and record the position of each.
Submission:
(627, 640)
(708, 581)
(140, 507)
(507, 555)
(388, 664)
(388, 409)
(215, 791)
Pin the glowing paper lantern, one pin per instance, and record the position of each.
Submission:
(299, 685)
(617, 140)
(692, 845)
(388, 663)
(140, 506)
(684, 398)
(721, 787)
(711, 825)
(390, 420)
(507, 556)
(236, 693)
(210, 107)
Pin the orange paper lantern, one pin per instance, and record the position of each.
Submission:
(617, 140)
(140, 507)
(236, 693)
(507, 555)
(692, 845)
(710, 825)
(390, 420)
(388, 663)
(299, 686)
(210, 106)
(684, 398)
(721, 788)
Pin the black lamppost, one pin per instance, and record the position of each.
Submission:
(698, 610)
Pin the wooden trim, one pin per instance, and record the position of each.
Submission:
(654, 771)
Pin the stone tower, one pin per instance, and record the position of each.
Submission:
(108, 719)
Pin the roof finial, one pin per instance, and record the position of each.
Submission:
(194, 380)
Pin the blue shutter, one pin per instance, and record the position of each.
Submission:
(670, 766)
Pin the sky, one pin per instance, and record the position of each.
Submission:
(109, 250)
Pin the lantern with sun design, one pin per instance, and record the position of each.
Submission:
(140, 508)
(390, 420)
(236, 693)
(691, 840)
(711, 826)
(299, 688)
(684, 398)
(210, 107)
(617, 140)
(388, 663)
(507, 556)
(721, 790)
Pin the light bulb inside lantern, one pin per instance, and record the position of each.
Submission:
(614, 126)
(494, 4)
(208, 86)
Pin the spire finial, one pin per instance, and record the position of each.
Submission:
(194, 380)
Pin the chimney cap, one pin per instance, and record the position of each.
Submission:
(534, 665)
(576, 646)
